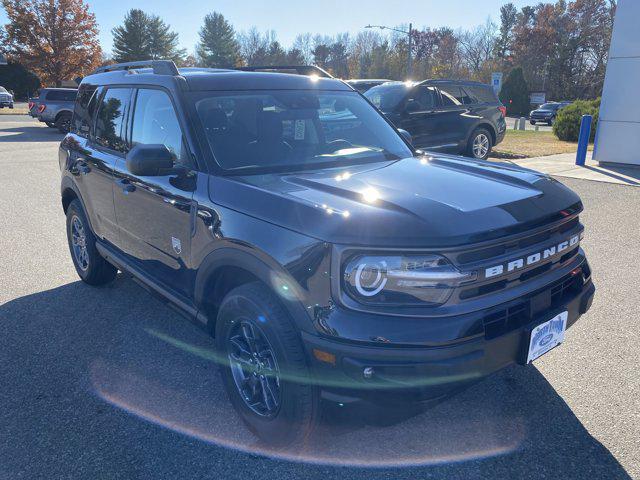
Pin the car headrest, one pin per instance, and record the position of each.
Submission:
(216, 120)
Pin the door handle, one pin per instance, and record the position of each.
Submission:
(126, 186)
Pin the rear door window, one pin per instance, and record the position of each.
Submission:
(424, 97)
(110, 128)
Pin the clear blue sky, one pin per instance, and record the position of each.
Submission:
(288, 17)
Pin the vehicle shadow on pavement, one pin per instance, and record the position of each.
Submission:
(110, 380)
(34, 133)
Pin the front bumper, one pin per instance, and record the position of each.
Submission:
(421, 373)
(541, 119)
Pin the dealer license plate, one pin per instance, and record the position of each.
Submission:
(546, 336)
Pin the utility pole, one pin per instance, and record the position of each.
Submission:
(406, 32)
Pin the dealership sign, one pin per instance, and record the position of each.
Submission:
(537, 98)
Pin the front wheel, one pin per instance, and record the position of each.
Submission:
(479, 144)
(91, 267)
(264, 367)
(533, 122)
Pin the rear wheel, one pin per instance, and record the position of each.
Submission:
(63, 122)
(264, 366)
(91, 267)
(479, 144)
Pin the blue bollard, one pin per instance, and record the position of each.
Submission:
(583, 139)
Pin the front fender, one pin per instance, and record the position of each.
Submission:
(284, 281)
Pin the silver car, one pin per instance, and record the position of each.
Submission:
(6, 99)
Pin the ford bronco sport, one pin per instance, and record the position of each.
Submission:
(327, 257)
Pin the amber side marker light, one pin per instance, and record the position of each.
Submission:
(325, 357)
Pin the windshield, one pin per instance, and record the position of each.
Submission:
(550, 106)
(387, 96)
(294, 129)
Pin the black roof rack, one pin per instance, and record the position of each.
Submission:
(160, 67)
(299, 69)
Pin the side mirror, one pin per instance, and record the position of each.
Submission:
(150, 160)
(406, 135)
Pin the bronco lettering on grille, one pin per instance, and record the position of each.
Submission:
(532, 259)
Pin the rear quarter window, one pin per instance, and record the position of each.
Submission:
(84, 109)
(483, 93)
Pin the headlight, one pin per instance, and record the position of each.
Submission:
(402, 279)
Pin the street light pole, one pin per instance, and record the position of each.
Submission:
(410, 34)
(409, 59)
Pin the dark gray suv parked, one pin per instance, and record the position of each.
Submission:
(328, 258)
(444, 115)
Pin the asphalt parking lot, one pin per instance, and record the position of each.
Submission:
(109, 383)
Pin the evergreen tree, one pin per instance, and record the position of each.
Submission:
(515, 93)
(145, 37)
(163, 43)
(218, 46)
(131, 39)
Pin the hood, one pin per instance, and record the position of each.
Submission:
(431, 201)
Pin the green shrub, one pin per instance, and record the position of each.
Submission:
(567, 123)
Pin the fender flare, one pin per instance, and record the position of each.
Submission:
(68, 184)
(263, 267)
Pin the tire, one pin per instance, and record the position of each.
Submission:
(532, 122)
(295, 402)
(63, 122)
(550, 122)
(91, 267)
(50, 124)
(475, 151)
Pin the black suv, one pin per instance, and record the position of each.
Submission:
(327, 257)
(444, 115)
(546, 113)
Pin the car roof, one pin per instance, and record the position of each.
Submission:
(203, 79)
(413, 83)
(367, 80)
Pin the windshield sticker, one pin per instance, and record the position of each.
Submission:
(299, 130)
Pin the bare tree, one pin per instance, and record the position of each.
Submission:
(478, 46)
